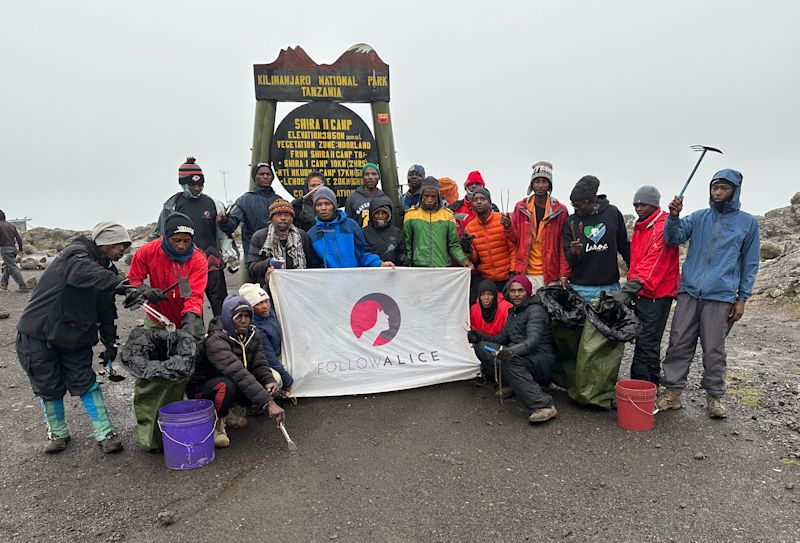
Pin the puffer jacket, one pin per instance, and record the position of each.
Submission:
(431, 238)
(724, 251)
(240, 359)
(520, 234)
(252, 211)
(340, 243)
(491, 251)
(654, 264)
(386, 241)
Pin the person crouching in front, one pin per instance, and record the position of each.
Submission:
(233, 369)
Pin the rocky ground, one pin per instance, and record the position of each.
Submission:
(444, 463)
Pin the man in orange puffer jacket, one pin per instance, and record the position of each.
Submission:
(534, 230)
(491, 251)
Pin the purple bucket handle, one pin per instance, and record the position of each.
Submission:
(189, 446)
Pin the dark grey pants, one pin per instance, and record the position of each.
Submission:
(10, 268)
(652, 313)
(704, 320)
(53, 371)
(520, 375)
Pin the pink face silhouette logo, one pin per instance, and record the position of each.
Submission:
(375, 318)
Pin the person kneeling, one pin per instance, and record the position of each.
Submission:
(233, 369)
(523, 350)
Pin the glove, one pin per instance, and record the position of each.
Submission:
(506, 354)
(466, 244)
(110, 352)
(153, 295)
(189, 322)
(473, 336)
(627, 294)
(122, 287)
(134, 299)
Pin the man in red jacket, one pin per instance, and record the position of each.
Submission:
(534, 231)
(654, 276)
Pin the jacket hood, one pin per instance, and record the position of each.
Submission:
(229, 305)
(602, 203)
(380, 202)
(734, 178)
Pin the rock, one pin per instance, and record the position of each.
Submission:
(4, 314)
(699, 456)
(777, 293)
(28, 263)
(789, 486)
(770, 250)
(166, 518)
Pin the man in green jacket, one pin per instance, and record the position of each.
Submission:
(430, 231)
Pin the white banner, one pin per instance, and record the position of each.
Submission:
(366, 330)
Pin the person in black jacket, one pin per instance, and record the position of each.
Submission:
(593, 236)
(304, 216)
(281, 242)
(202, 210)
(73, 301)
(523, 349)
(233, 369)
(385, 238)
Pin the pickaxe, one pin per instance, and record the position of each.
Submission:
(705, 149)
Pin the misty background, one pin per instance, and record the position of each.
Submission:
(101, 102)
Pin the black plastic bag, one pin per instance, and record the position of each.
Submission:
(614, 320)
(159, 354)
(564, 306)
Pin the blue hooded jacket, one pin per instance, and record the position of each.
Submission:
(724, 252)
(340, 243)
(271, 344)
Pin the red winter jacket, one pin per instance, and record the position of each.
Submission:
(653, 263)
(151, 260)
(520, 235)
(490, 248)
(493, 328)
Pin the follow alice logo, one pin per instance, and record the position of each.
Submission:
(377, 316)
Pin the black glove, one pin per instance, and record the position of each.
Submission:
(473, 336)
(466, 244)
(189, 322)
(505, 354)
(153, 295)
(110, 352)
(134, 299)
(627, 294)
(122, 287)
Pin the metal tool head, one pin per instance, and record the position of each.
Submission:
(699, 148)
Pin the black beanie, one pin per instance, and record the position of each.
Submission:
(254, 169)
(585, 189)
(178, 223)
(484, 191)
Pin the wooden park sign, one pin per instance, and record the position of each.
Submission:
(324, 135)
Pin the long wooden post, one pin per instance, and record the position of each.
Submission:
(263, 129)
(382, 123)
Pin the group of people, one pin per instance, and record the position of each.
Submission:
(509, 255)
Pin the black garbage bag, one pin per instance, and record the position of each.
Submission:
(159, 354)
(564, 306)
(614, 320)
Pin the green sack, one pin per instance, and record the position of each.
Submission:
(566, 342)
(596, 368)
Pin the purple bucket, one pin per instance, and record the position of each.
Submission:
(188, 430)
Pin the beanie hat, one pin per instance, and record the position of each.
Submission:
(280, 206)
(324, 193)
(109, 233)
(474, 177)
(254, 169)
(430, 183)
(418, 168)
(370, 165)
(484, 191)
(585, 189)
(524, 281)
(647, 195)
(189, 172)
(543, 169)
(178, 223)
(253, 293)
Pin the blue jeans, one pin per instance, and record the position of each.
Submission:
(591, 292)
(10, 269)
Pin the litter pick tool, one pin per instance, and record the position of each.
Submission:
(291, 444)
(161, 319)
(704, 150)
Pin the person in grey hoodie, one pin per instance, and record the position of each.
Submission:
(356, 206)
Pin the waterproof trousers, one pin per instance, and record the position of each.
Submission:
(653, 314)
(527, 378)
(704, 320)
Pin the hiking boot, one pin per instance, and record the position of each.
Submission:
(221, 439)
(669, 399)
(3, 287)
(56, 445)
(504, 392)
(715, 408)
(111, 444)
(236, 417)
(543, 414)
(25, 289)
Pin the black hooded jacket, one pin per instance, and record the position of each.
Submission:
(387, 241)
(602, 235)
(74, 299)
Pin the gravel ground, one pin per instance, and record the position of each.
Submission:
(444, 463)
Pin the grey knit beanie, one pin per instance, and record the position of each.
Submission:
(649, 195)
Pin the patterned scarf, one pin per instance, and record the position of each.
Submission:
(273, 248)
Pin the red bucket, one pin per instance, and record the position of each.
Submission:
(636, 405)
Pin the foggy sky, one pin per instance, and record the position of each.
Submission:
(101, 102)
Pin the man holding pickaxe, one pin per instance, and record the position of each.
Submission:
(717, 279)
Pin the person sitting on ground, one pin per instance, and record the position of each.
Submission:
(280, 243)
(71, 305)
(356, 206)
(491, 251)
(489, 313)
(9, 241)
(416, 174)
(385, 238)
(232, 369)
(525, 351)
(430, 231)
(304, 216)
(337, 241)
